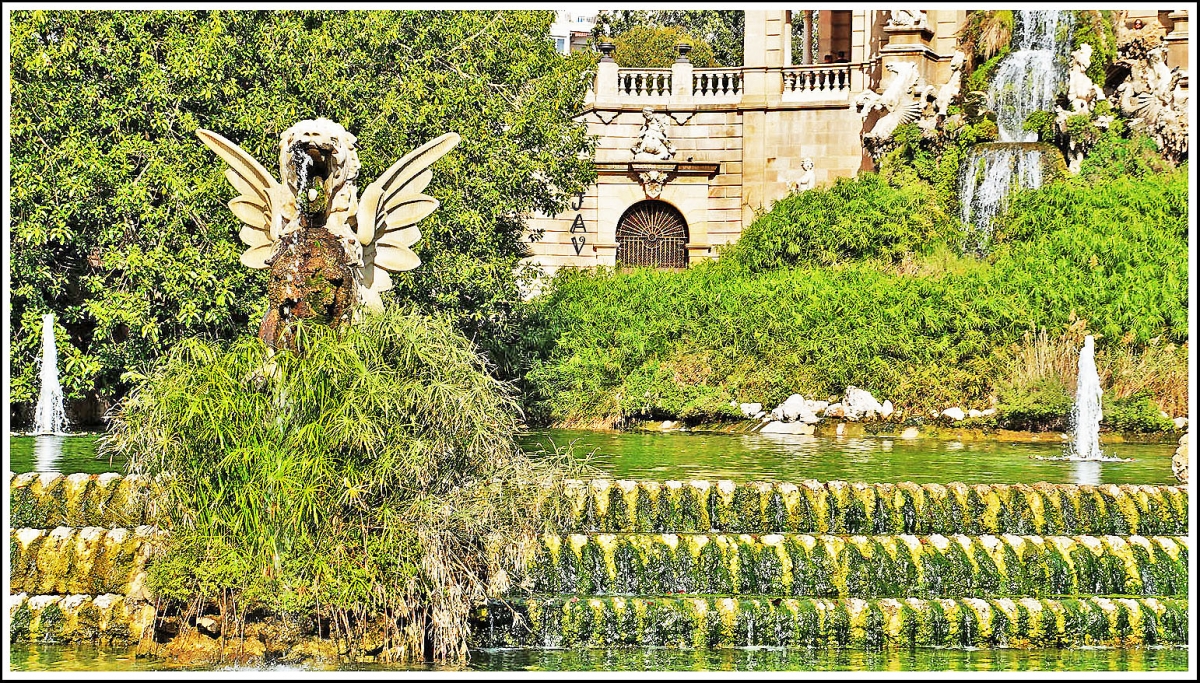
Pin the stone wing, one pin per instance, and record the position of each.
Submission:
(388, 213)
(261, 202)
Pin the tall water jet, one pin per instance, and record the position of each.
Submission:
(51, 417)
(1025, 81)
(1087, 413)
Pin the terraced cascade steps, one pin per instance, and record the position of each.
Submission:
(713, 564)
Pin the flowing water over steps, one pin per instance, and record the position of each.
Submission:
(705, 564)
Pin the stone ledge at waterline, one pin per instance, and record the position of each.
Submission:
(679, 621)
(50, 500)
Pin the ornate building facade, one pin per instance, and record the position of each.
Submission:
(685, 157)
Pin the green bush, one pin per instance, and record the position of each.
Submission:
(1045, 405)
(853, 219)
(350, 480)
(1136, 413)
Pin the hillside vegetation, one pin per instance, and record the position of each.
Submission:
(865, 283)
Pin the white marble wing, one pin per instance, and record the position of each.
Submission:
(261, 202)
(388, 213)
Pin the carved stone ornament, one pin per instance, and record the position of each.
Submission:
(653, 143)
(328, 250)
(1082, 95)
(908, 98)
(1154, 95)
(652, 182)
(907, 18)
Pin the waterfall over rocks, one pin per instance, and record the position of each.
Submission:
(50, 417)
(1025, 81)
(1028, 78)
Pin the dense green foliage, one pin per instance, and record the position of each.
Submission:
(119, 223)
(718, 31)
(1095, 27)
(654, 47)
(772, 318)
(852, 220)
(346, 481)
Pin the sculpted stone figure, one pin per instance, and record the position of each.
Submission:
(1153, 94)
(903, 99)
(806, 180)
(907, 18)
(328, 250)
(653, 142)
(1081, 92)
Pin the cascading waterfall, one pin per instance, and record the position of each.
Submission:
(1086, 416)
(51, 417)
(1028, 78)
(1025, 81)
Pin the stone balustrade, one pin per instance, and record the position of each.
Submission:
(817, 83)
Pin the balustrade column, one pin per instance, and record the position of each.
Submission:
(681, 76)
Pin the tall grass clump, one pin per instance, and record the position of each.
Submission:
(354, 484)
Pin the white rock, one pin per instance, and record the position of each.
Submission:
(667, 424)
(750, 409)
(989, 411)
(760, 415)
(887, 409)
(793, 407)
(835, 410)
(974, 413)
(910, 433)
(860, 403)
(1180, 422)
(816, 407)
(1164, 415)
(954, 413)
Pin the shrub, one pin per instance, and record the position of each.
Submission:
(1136, 413)
(347, 480)
(854, 219)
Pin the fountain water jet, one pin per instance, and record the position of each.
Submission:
(1086, 416)
(51, 417)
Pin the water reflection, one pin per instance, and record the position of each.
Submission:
(1086, 472)
(47, 452)
(795, 457)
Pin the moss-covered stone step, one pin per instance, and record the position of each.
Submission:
(677, 621)
(105, 619)
(858, 566)
(839, 507)
(89, 561)
(48, 499)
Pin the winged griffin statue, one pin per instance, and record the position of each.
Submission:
(329, 251)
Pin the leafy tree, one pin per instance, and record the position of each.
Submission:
(119, 223)
(721, 30)
(654, 47)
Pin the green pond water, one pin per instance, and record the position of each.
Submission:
(757, 457)
(89, 658)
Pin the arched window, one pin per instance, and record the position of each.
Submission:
(652, 233)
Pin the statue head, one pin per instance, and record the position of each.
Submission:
(317, 148)
(956, 62)
(806, 163)
(648, 113)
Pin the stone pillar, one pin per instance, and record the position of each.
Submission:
(606, 77)
(767, 48)
(681, 76)
(806, 58)
(1177, 40)
(906, 44)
